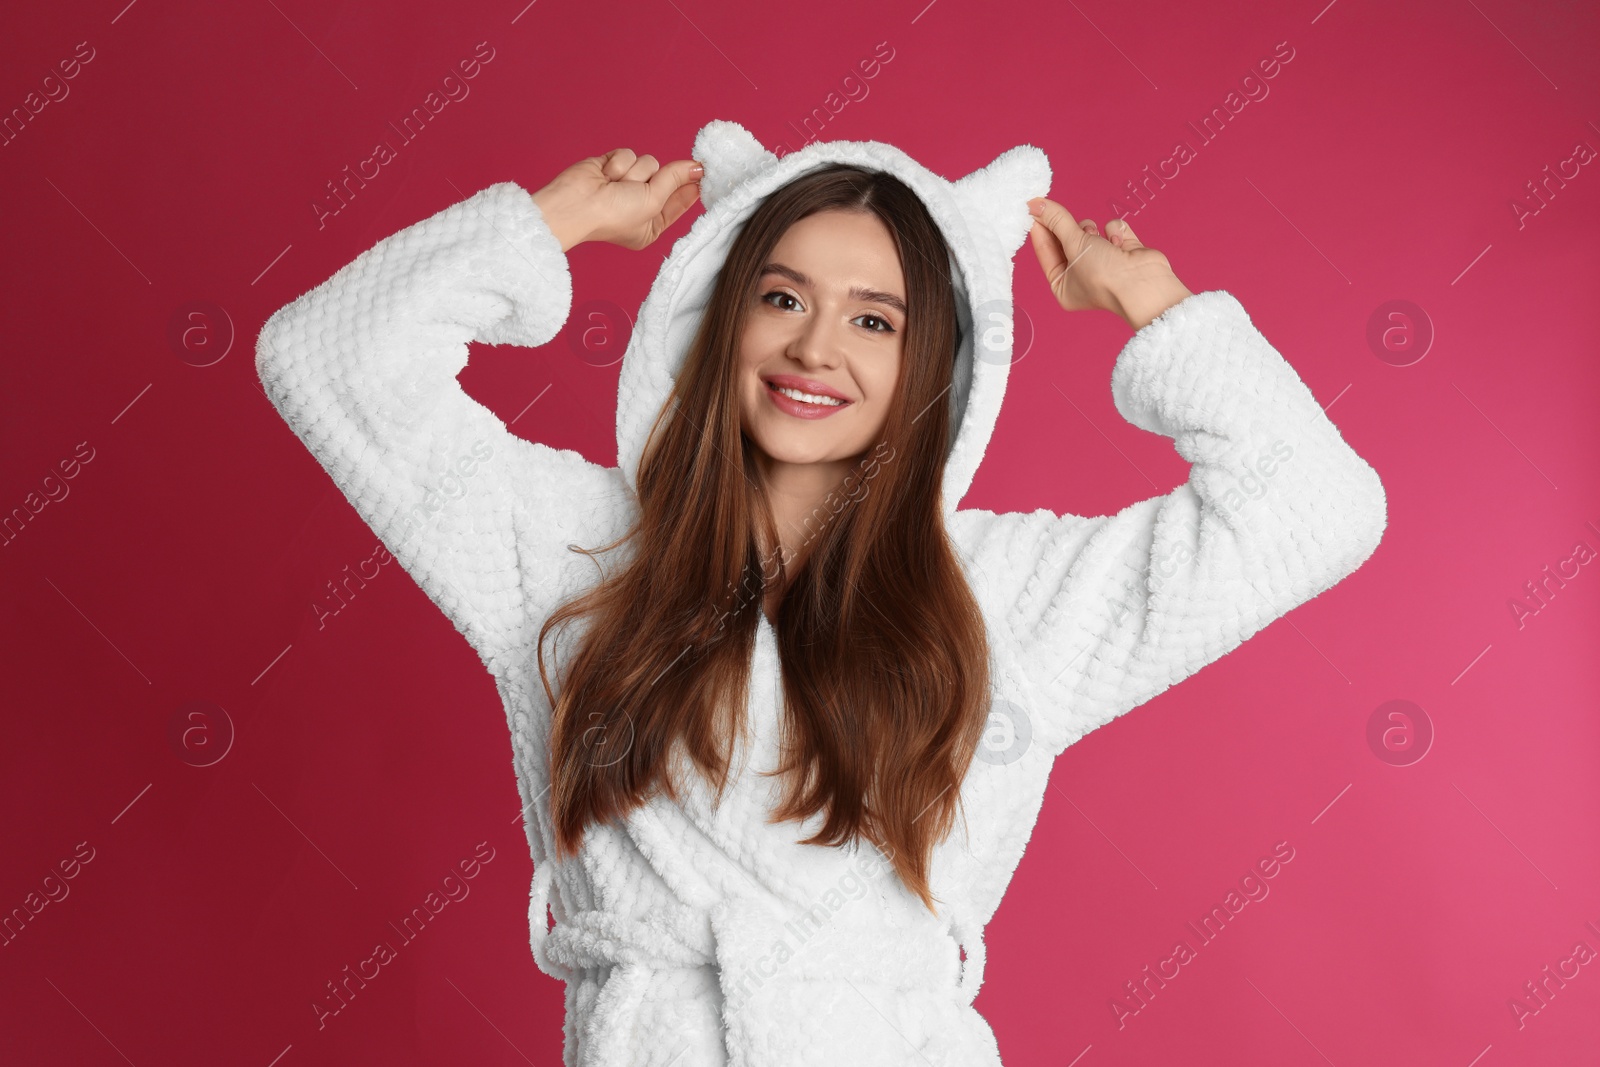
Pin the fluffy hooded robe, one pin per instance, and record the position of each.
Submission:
(689, 934)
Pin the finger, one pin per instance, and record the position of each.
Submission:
(1059, 221)
(615, 163)
(1122, 234)
(682, 198)
(642, 168)
(670, 179)
(1052, 260)
(1058, 240)
(1089, 227)
(676, 187)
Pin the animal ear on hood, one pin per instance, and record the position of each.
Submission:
(731, 154)
(995, 192)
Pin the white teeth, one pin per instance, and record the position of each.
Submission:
(809, 398)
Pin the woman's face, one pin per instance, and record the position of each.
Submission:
(828, 321)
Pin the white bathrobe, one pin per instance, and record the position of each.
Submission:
(689, 935)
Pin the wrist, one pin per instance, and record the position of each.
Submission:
(560, 218)
(1139, 309)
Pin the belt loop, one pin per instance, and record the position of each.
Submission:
(972, 967)
(539, 923)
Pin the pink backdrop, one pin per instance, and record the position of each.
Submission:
(1440, 154)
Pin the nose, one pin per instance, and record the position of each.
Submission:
(815, 345)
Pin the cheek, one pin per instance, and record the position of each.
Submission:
(882, 378)
(878, 380)
(762, 334)
(752, 353)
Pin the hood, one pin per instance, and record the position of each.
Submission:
(984, 218)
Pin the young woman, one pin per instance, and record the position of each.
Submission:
(782, 715)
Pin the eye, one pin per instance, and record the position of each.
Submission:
(781, 295)
(883, 323)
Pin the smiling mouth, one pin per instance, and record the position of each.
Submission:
(802, 404)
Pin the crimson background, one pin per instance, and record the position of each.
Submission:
(370, 755)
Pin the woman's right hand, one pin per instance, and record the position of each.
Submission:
(1117, 273)
(620, 198)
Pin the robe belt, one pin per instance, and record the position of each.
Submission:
(763, 959)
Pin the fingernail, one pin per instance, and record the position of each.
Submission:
(1035, 207)
(697, 169)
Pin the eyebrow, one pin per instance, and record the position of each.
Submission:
(876, 296)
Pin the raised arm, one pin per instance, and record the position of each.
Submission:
(1107, 612)
(363, 369)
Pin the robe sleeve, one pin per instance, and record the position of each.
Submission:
(363, 369)
(1106, 612)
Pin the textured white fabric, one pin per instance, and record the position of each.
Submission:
(690, 935)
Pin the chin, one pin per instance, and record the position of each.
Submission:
(795, 448)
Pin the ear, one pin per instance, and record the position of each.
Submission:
(999, 193)
(730, 154)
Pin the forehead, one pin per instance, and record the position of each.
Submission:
(837, 249)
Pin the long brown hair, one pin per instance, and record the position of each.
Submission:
(884, 651)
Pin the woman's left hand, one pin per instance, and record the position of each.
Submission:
(1116, 273)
